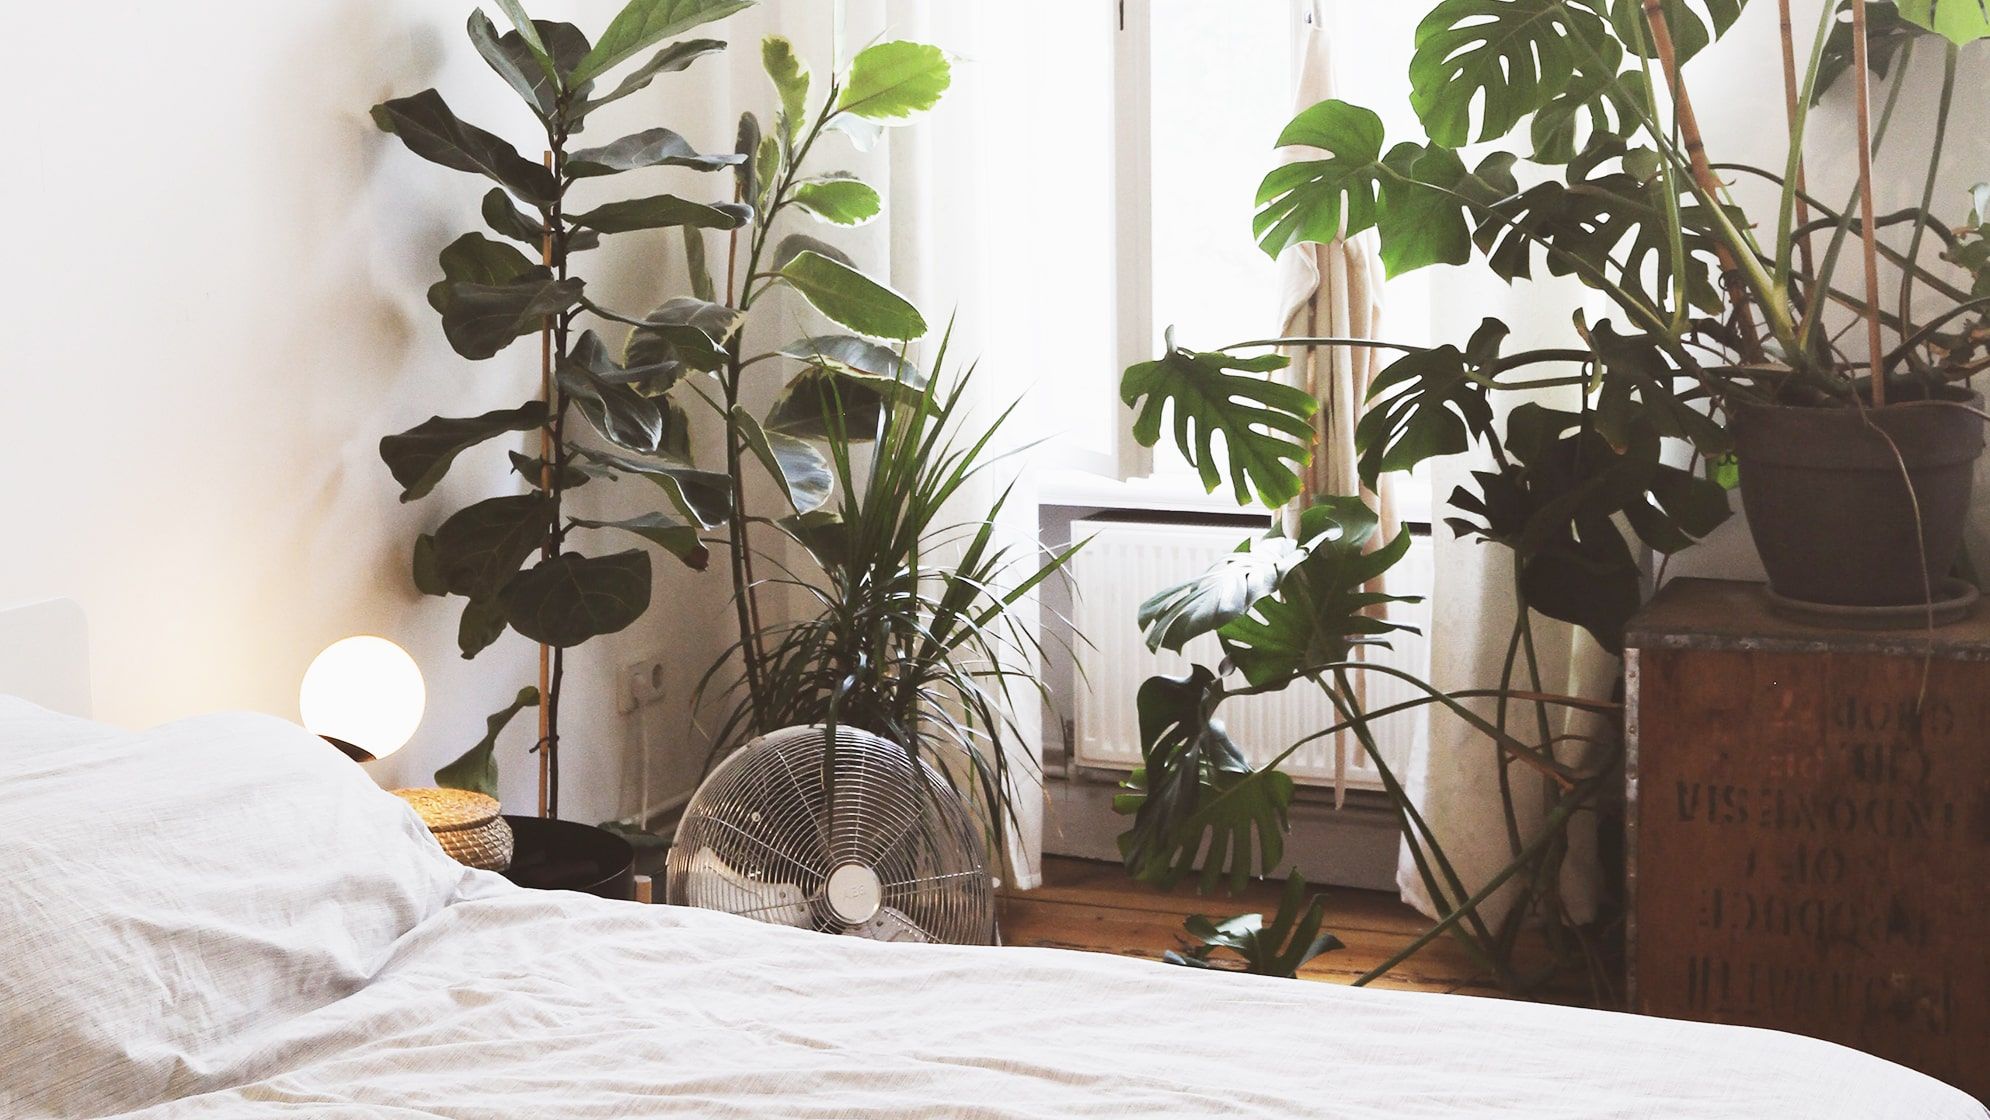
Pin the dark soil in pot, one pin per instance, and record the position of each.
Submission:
(570, 856)
(1832, 516)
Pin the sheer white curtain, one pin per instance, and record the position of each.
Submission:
(955, 237)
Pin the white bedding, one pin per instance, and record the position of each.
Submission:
(510, 1003)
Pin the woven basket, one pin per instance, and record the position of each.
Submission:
(466, 824)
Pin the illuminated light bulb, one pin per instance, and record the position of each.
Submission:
(364, 695)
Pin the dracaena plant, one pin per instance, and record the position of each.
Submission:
(1610, 183)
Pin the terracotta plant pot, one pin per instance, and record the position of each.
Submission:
(1832, 516)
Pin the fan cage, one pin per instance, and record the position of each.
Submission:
(767, 831)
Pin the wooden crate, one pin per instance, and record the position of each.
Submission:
(1809, 827)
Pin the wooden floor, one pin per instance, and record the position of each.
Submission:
(1094, 906)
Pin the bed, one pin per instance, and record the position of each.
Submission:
(221, 917)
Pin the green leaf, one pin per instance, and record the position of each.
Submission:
(747, 180)
(476, 259)
(1403, 195)
(1292, 939)
(669, 60)
(482, 319)
(840, 198)
(421, 456)
(820, 403)
(428, 580)
(480, 546)
(672, 535)
(480, 626)
(795, 244)
(565, 600)
(508, 220)
(795, 464)
(891, 82)
(642, 24)
(662, 211)
(851, 298)
(686, 331)
(1959, 21)
(856, 357)
(527, 76)
(425, 124)
(656, 147)
(1507, 57)
(476, 769)
(777, 57)
(617, 411)
(1421, 406)
(1266, 425)
(767, 160)
(1194, 791)
(1886, 34)
(1178, 615)
(1323, 608)
(694, 263)
(705, 497)
(1693, 24)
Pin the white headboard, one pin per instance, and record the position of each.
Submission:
(45, 655)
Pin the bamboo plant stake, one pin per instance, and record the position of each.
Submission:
(546, 458)
(1868, 236)
(1792, 115)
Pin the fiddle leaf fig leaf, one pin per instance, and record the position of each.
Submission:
(1195, 791)
(479, 627)
(662, 211)
(644, 23)
(428, 580)
(685, 331)
(481, 546)
(481, 319)
(620, 413)
(422, 455)
(851, 298)
(668, 533)
(705, 497)
(656, 147)
(1266, 425)
(1507, 57)
(669, 60)
(507, 220)
(801, 470)
(476, 259)
(527, 76)
(568, 599)
(476, 769)
(424, 123)
(1423, 405)
(891, 82)
(840, 198)
(1959, 21)
(790, 78)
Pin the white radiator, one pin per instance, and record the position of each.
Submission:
(1127, 562)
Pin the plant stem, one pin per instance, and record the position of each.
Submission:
(1793, 114)
(1868, 236)
(1928, 190)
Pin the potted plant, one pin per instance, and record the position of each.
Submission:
(1717, 343)
(514, 558)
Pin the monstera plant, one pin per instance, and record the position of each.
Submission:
(611, 405)
(1717, 334)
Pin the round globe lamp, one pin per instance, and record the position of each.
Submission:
(364, 695)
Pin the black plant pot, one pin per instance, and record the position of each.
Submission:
(569, 856)
(1834, 520)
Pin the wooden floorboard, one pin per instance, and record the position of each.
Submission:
(1093, 906)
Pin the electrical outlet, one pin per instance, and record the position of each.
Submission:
(642, 683)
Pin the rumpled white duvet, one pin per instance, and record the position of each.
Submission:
(222, 917)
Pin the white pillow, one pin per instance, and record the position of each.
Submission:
(164, 892)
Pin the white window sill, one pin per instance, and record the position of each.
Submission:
(1062, 486)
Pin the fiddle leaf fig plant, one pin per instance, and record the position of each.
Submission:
(515, 559)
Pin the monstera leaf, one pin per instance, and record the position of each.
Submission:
(1180, 614)
(1194, 790)
(1323, 607)
(1692, 24)
(1959, 21)
(1265, 424)
(1422, 405)
(1292, 938)
(567, 599)
(476, 768)
(1509, 58)
(1357, 187)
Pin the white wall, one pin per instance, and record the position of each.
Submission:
(216, 311)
